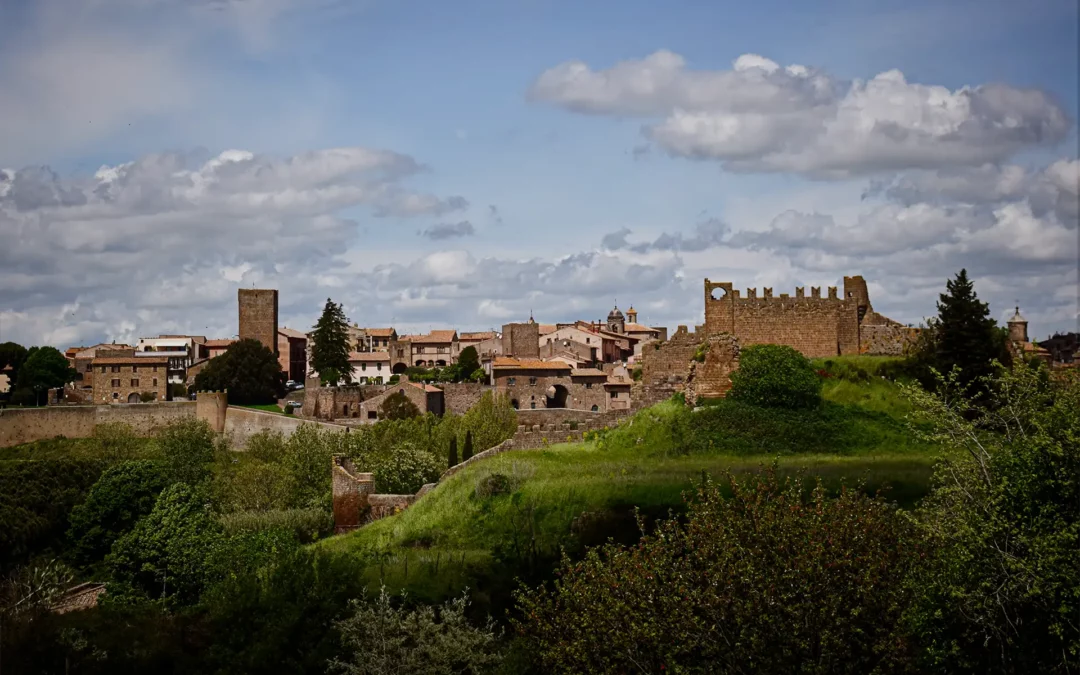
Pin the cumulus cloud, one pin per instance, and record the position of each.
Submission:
(449, 231)
(707, 234)
(759, 116)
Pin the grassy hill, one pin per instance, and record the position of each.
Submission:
(511, 515)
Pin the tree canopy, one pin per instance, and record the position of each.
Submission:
(124, 493)
(330, 345)
(964, 334)
(397, 406)
(248, 370)
(775, 376)
(45, 368)
(14, 355)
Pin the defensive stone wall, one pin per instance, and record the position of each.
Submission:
(26, 425)
(712, 377)
(243, 423)
(351, 491)
(458, 397)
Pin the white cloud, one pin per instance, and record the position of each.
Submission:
(761, 117)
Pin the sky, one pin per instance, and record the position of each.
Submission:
(467, 164)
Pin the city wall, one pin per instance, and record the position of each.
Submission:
(243, 423)
(34, 424)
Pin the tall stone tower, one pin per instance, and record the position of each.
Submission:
(1018, 328)
(521, 340)
(259, 316)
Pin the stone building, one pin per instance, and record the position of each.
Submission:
(259, 316)
(1019, 344)
(1062, 347)
(217, 347)
(437, 349)
(531, 383)
(292, 353)
(643, 334)
(427, 399)
(121, 378)
(82, 361)
(371, 339)
(370, 367)
(814, 325)
(521, 340)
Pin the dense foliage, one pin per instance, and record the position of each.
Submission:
(45, 368)
(1000, 591)
(14, 355)
(329, 345)
(398, 406)
(761, 582)
(187, 448)
(248, 370)
(775, 376)
(125, 492)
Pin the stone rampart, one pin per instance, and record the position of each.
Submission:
(243, 423)
(26, 425)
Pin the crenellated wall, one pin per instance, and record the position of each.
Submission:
(25, 425)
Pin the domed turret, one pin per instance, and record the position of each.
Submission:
(616, 322)
(1018, 328)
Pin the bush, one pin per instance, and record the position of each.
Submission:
(397, 406)
(124, 493)
(147, 397)
(775, 376)
(306, 525)
(491, 420)
(187, 446)
(404, 470)
(252, 485)
(764, 581)
(117, 441)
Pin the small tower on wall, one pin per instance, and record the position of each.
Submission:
(616, 322)
(631, 315)
(1018, 328)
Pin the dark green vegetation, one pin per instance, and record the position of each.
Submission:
(248, 370)
(330, 345)
(44, 368)
(397, 406)
(775, 376)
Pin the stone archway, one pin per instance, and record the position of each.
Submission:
(556, 396)
(400, 368)
(133, 398)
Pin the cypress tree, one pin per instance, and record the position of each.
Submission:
(967, 337)
(466, 453)
(453, 452)
(330, 345)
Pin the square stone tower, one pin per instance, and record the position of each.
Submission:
(259, 316)
(521, 340)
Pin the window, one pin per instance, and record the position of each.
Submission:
(155, 381)
(103, 369)
(116, 382)
(532, 404)
(588, 340)
(378, 366)
(614, 394)
(511, 381)
(154, 369)
(363, 366)
(134, 369)
(595, 408)
(134, 382)
(90, 368)
(371, 414)
(588, 385)
(532, 381)
(116, 369)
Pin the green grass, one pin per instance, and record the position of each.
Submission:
(868, 382)
(265, 407)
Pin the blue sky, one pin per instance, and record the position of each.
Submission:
(488, 141)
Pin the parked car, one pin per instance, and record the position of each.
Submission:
(294, 404)
(293, 385)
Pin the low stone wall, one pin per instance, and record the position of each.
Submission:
(381, 506)
(243, 423)
(886, 340)
(25, 425)
(530, 417)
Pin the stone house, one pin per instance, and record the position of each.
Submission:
(181, 350)
(1020, 345)
(371, 339)
(617, 390)
(370, 367)
(438, 348)
(427, 398)
(82, 362)
(530, 383)
(292, 353)
(643, 334)
(217, 347)
(121, 378)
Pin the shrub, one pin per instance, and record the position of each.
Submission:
(380, 638)
(775, 376)
(187, 446)
(404, 470)
(252, 485)
(124, 493)
(307, 525)
(452, 454)
(493, 485)
(467, 451)
(491, 420)
(397, 406)
(117, 441)
(764, 581)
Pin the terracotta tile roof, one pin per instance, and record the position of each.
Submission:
(128, 360)
(426, 387)
(224, 342)
(289, 332)
(638, 328)
(370, 357)
(505, 362)
(436, 336)
(618, 382)
(546, 328)
(480, 336)
(587, 372)
(380, 332)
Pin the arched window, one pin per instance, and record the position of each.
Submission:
(595, 409)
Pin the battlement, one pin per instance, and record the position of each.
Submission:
(724, 291)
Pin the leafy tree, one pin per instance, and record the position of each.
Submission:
(14, 355)
(33, 588)
(964, 335)
(397, 406)
(453, 459)
(999, 592)
(330, 345)
(124, 493)
(382, 639)
(117, 441)
(404, 469)
(466, 452)
(187, 446)
(491, 420)
(166, 557)
(764, 582)
(248, 370)
(468, 361)
(254, 486)
(775, 376)
(45, 368)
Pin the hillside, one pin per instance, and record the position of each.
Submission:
(513, 513)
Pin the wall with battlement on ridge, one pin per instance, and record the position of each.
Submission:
(243, 423)
(26, 425)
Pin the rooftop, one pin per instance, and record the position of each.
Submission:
(436, 336)
(370, 357)
(139, 360)
(639, 328)
(223, 342)
(478, 336)
(292, 333)
(508, 363)
(587, 372)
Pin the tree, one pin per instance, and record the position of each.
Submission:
(466, 452)
(966, 337)
(397, 406)
(166, 557)
(491, 420)
(404, 469)
(330, 345)
(775, 376)
(453, 460)
(248, 370)
(45, 368)
(124, 493)
(187, 446)
(14, 355)
(999, 591)
(763, 581)
(381, 639)
(468, 362)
